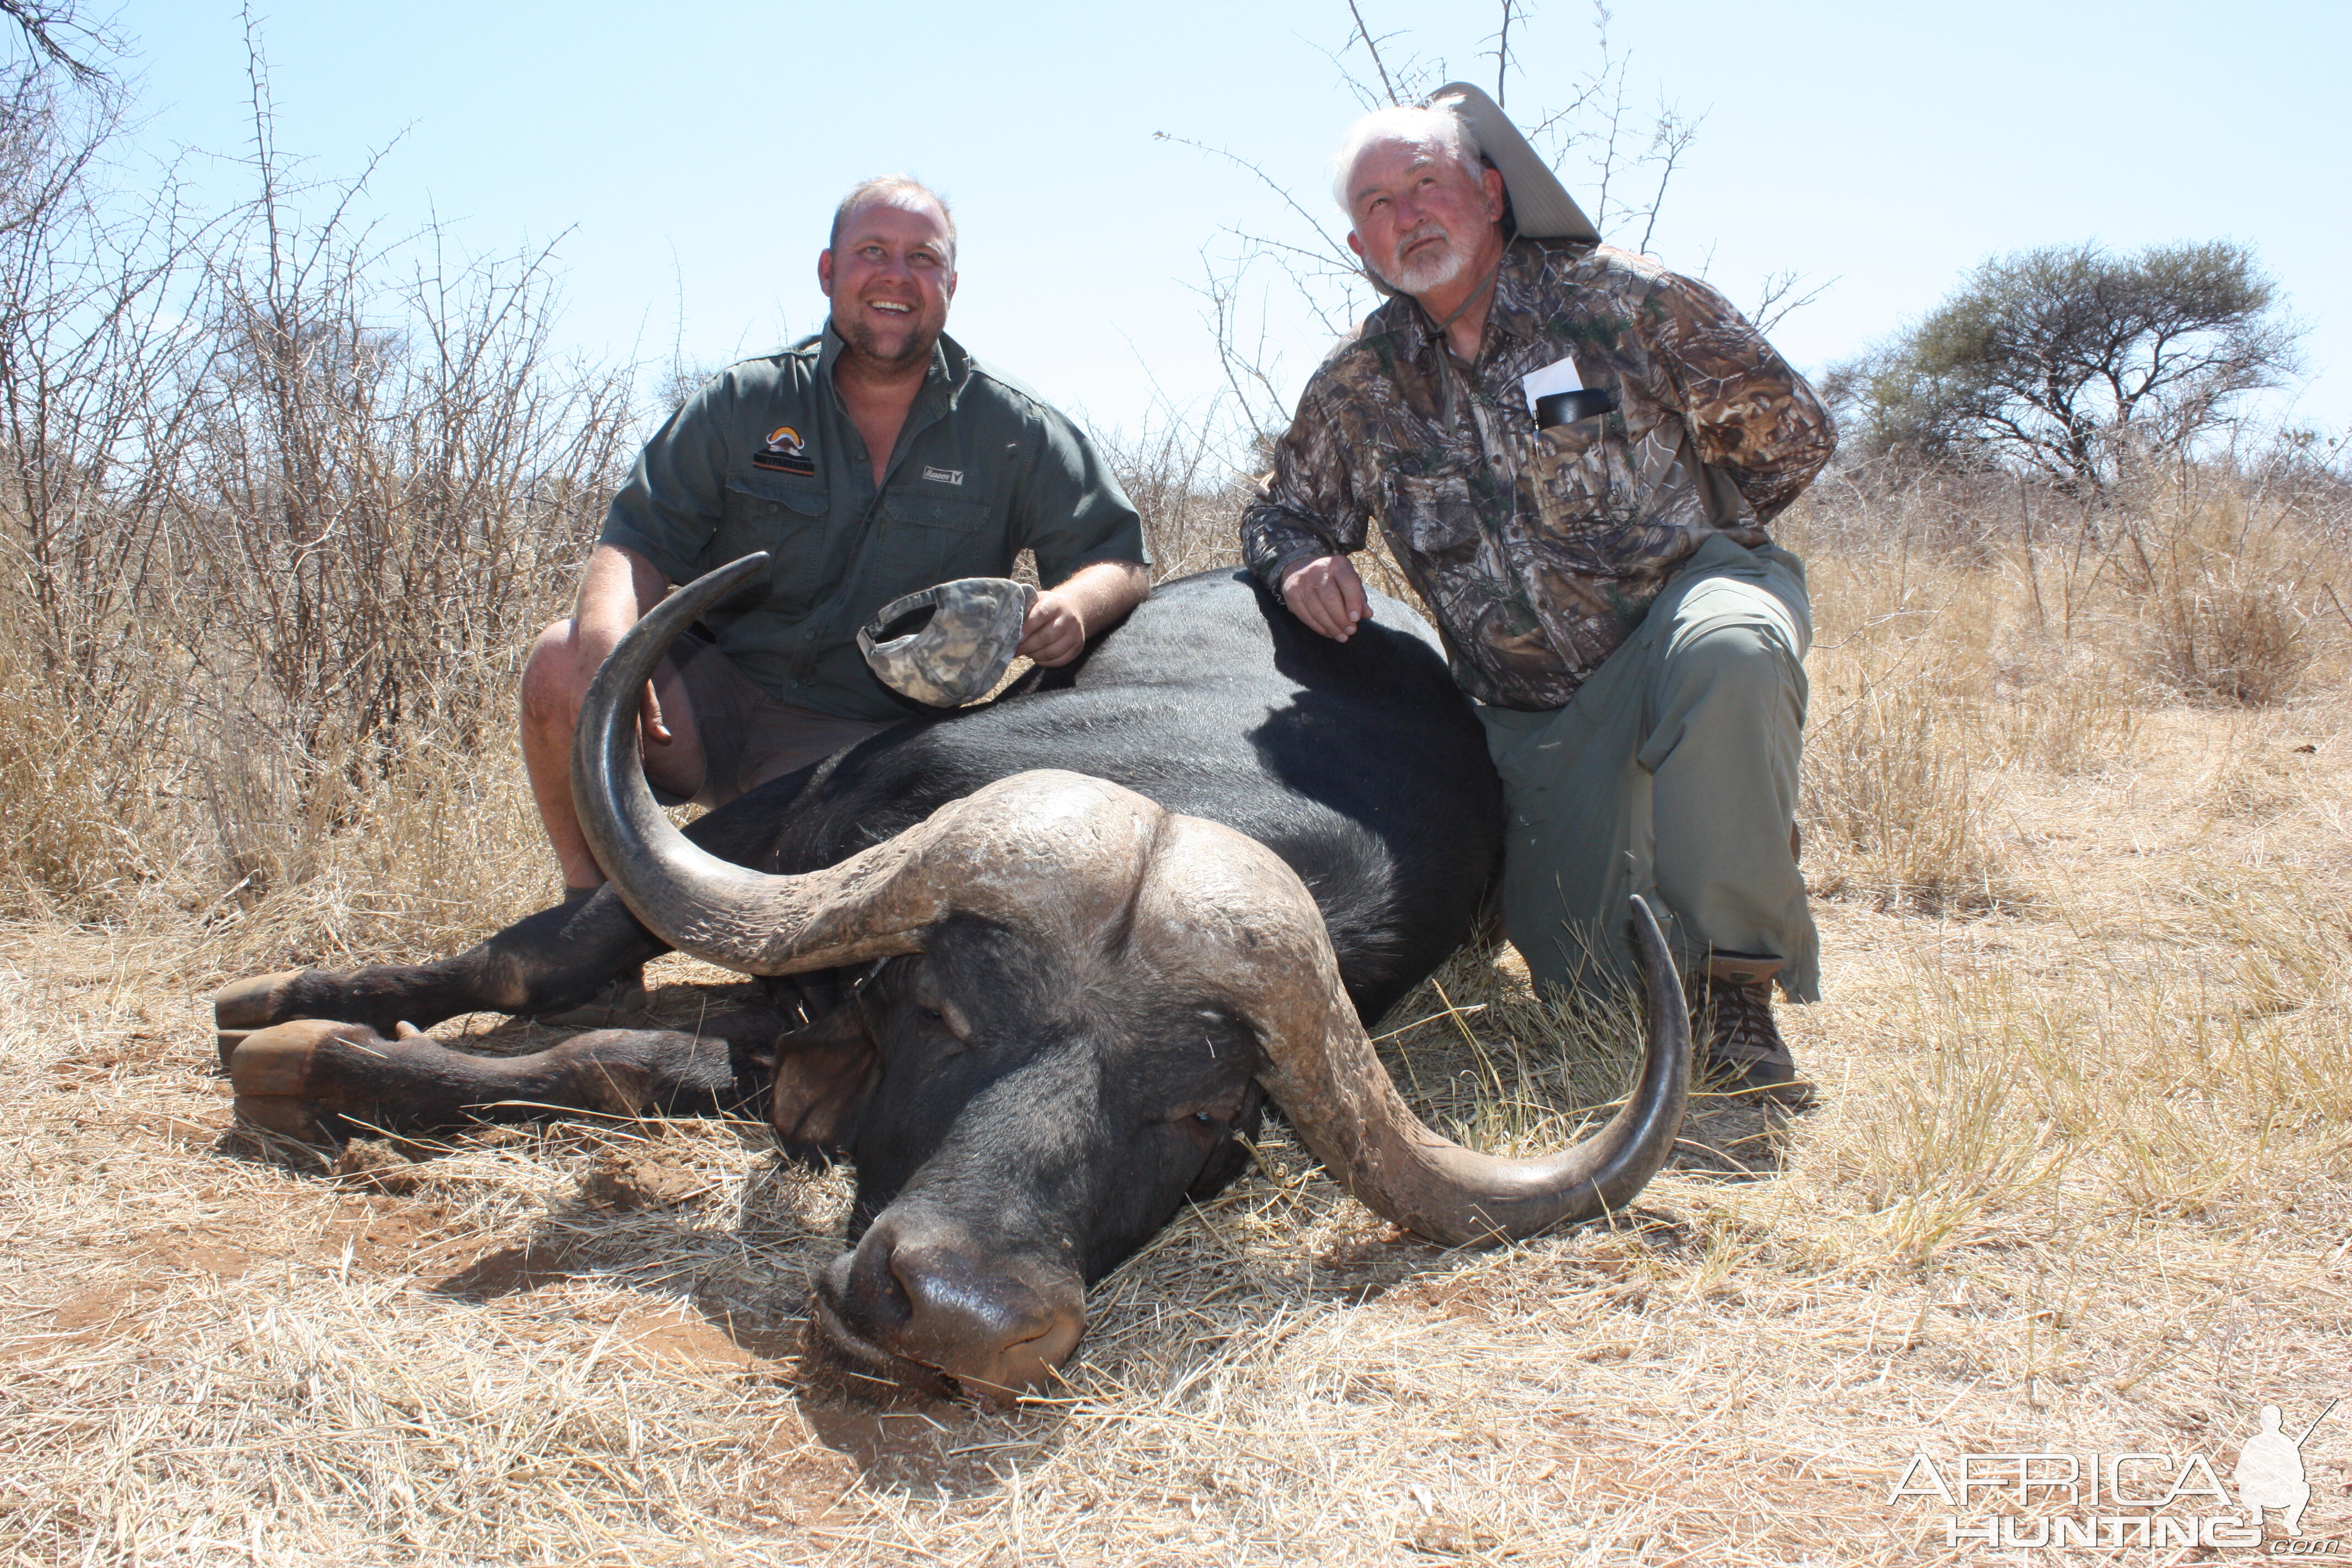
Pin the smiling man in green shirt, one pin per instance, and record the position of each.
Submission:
(872, 461)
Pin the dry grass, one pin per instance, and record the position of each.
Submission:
(2077, 1184)
(1970, 644)
(2227, 583)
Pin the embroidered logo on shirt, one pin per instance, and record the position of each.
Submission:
(784, 454)
(945, 475)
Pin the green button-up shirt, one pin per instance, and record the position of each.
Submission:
(766, 458)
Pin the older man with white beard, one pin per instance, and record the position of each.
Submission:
(1575, 455)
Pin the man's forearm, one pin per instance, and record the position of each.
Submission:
(615, 590)
(1103, 591)
(618, 587)
(1749, 412)
(1275, 541)
(1774, 472)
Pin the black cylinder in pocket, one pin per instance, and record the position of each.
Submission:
(1567, 407)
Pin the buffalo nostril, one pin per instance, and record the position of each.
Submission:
(1000, 1329)
(956, 1304)
(863, 1290)
(988, 1326)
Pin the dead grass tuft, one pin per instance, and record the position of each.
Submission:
(2228, 586)
(64, 844)
(1902, 724)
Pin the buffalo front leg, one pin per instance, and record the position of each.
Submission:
(314, 1079)
(543, 964)
(551, 960)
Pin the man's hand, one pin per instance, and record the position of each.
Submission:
(1088, 600)
(1326, 595)
(1055, 631)
(594, 650)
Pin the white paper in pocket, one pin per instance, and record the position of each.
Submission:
(1557, 377)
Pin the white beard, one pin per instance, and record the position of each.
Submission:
(1433, 272)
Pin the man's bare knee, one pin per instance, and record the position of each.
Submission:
(551, 681)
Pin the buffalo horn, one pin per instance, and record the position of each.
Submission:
(867, 907)
(1321, 1068)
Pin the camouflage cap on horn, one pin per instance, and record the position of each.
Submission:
(964, 649)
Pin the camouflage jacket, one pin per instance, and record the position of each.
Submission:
(1539, 552)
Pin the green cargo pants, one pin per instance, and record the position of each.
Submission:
(1670, 773)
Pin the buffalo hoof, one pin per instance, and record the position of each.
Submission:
(286, 1077)
(240, 1009)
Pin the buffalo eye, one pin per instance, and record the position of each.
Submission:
(943, 1012)
(1204, 1118)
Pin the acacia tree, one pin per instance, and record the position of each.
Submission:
(2066, 360)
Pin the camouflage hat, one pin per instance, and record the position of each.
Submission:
(1539, 203)
(959, 650)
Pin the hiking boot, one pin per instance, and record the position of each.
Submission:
(1739, 1048)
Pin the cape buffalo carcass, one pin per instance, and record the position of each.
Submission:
(1050, 954)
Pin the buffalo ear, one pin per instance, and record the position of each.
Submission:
(824, 1075)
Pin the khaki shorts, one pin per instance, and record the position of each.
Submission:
(747, 737)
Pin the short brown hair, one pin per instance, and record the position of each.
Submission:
(881, 185)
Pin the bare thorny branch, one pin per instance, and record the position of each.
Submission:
(1781, 296)
(266, 512)
(1372, 47)
(45, 24)
(1504, 59)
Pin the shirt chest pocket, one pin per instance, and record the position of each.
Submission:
(925, 539)
(1434, 512)
(1579, 473)
(787, 520)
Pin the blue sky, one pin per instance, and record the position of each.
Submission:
(685, 160)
